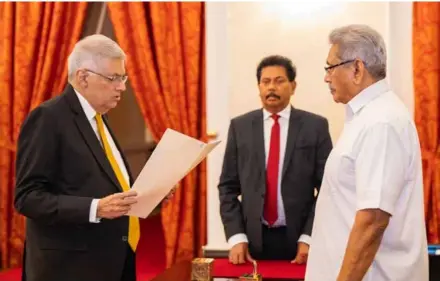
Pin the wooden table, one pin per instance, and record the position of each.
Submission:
(182, 272)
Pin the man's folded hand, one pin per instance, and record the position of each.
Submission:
(239, 254)
(302, 253)
(116, 205)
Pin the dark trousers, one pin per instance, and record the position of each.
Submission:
(129, 271)
(275, 245)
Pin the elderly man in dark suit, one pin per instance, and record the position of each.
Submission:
(73, 180)
(274, 159)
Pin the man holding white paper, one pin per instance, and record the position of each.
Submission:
(180, 154)
(73, 182)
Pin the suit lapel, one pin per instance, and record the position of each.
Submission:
(295, 124)
(258, 140)
(89, 136)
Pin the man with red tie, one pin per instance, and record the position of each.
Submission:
(275, 160)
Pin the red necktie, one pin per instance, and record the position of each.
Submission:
(271, 200)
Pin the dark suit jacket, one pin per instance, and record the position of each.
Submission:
(60, 168)
(244, 173)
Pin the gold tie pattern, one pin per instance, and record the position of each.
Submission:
(133, 226)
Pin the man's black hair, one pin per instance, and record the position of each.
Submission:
(277, 60)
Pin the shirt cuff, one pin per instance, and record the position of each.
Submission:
(237, 238)
(305, 239)
(94, 211)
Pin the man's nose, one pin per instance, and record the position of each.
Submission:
(327, 77)
(121, 86)
(272, 85)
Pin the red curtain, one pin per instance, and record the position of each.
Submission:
(426, 64)
(164, 42)
(35, 41)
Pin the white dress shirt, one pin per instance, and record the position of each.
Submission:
(284, 128)
(376, 164)
(90, 115)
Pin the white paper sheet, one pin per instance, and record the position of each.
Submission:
(174, 157)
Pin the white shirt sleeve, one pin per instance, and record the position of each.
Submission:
(304, 238)
(237, 238)
(380, 168)
(93, 211)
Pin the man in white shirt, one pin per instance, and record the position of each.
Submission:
(274, 160)
(369, 222)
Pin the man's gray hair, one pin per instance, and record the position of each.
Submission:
(88, 52)
(361, 42)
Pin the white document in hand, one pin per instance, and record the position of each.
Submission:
(173, 158)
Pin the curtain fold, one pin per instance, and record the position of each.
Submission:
(165, 46)
(426, 71)
(35, 41)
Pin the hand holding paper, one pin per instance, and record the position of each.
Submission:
(173, 158)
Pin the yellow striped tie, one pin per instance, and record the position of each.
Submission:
(133, 226)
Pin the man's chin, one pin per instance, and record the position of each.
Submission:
(336, 99)
(109, 106)
(274, 107)
(114, 104)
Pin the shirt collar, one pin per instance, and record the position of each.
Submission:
(365, 96)
(285, 113)
(88, 109)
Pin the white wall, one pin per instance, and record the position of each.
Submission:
(217, 110)
(239, 35)
(400, 51)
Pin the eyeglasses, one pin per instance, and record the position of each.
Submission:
(333, 66)
(113, 78)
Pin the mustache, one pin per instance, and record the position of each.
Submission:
(272, 95)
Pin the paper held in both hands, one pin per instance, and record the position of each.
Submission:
(173, 158)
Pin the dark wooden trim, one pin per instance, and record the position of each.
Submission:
(207, 253)
(146, 148)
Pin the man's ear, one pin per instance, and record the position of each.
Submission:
(293, 86)
(359, 71)
(82, 78)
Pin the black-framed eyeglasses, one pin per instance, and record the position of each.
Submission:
(113, 78)
(327, 68)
